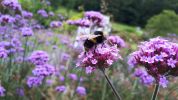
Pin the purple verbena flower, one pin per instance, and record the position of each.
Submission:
(34, 81)
(116, 40)
(27, 31)
(43, 13)
(3, 53)
(27, 14)
(6, 19)
(159, 57)
(2, 90)
(104, 55)
(55, 24)
(73, 76)
(39, 57)
(81, 91)
(11, 4)
(44, 70)
(60, 89)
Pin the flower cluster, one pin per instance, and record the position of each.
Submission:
(159, 57)
(55, 24)
(103, 55)
(91, 18)
(34, 81)
(80, 22)
(94, 16)
(39, 57)
(60, 89)
(6, 19)
(43, 13)
(27, 15)
(116, 40)
(11, 4)
(2, 90)
(26, 32)
(81, 91)
(3, 53)
(42, 68)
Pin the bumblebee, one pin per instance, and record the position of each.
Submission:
(94, 40)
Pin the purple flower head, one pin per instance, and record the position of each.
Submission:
(103, 55)
(61, 78)
(80, 22)
(94, 16)
(158, 56)
(39, 57)
(49, 82)
(163, 81)
(6, 19)
(51, 13)
(145, 78)
(116, 40)
(2, 90)
(55, 24)
(27, 14)
(11, 4)
(60, 89)
(3, 53)
(20, 91)
(3, 30)
(81, 91)
(34, 81)
(43, 13)
(27, 31)
(44, 70)
(73, 76)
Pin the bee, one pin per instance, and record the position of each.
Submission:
(93, 40)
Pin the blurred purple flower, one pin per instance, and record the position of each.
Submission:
(73, 76)
(39, 57)
(81, 91)
(80, 22)
(27, 14)
(51, 13)
(49, 82)
(43, 70)
(43, 13)
(27, 31)
(2, 90)
(6, 19)
(94, 16)
(60, 89)
(55, 24)
(3, 53)
(116, 40)
(11, 4)
(34, 81)
(20, 91)
(61, 78)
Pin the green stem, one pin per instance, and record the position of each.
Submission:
(155, 93)
(110, 84)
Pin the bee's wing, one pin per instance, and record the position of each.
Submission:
(84, 37)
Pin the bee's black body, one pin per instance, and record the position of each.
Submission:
(89, 43)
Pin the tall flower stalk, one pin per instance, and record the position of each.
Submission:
(110, 84)
(155, 93)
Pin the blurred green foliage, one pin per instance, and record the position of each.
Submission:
(137, 12)
(163, 23)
